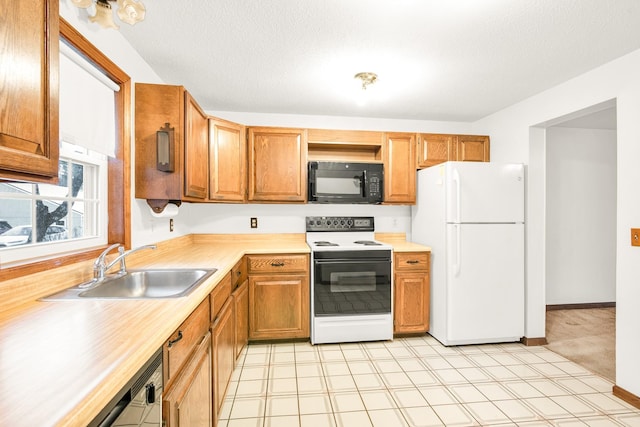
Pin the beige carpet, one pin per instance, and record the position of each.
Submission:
(585, 336)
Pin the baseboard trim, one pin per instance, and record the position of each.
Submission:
(533, 341)
(627, 396)
(583, 305)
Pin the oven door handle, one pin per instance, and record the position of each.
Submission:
(351, 261)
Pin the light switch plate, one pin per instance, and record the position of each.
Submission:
(635, 237)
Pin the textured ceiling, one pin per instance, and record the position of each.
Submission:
(436, 60)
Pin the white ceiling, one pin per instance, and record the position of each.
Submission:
(436, 60)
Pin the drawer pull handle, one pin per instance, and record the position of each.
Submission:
(178, 338)
(413, 261)
(277, 264)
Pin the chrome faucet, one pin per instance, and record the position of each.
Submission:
(100, 267)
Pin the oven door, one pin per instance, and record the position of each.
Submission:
(351, 283)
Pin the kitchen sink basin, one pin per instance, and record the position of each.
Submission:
(139, 284)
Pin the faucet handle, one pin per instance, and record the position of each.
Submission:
(99, 265)
(100, 260)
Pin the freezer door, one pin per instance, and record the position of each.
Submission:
(484, 192)
(485, 283)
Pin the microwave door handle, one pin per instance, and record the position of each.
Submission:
(364, 183)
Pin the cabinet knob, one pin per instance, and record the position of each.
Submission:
(277, 264)
(413, 261)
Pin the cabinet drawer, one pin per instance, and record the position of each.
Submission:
(220, 295)
(278, 263)
(239, 273)
(181, 343)
(414, 261)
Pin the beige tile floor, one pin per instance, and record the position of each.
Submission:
(417, 382)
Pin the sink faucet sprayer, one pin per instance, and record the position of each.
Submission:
(100, 267)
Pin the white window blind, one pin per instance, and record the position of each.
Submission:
(87, 104)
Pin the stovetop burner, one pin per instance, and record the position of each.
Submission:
(367, 243)
(325, 243)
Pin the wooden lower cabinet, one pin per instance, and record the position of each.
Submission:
(278, 296)
(411, 292)
(279, 307)
(224, 356)
(188, 401)
(241, 310)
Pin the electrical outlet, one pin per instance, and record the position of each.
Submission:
(635, 237)
(254, 222)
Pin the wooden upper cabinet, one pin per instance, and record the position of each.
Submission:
(277, 165)
(196, 149)
(399, 168)
(473, 148)
(29, 136)
(227, 161)
(155, 106)
(435, 148)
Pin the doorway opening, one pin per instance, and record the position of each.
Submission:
(580, 236)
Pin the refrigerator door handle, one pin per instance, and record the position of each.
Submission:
(456, 180)
(458, 252)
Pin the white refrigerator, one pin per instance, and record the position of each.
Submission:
(472, 216)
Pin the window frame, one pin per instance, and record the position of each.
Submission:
(119, 167)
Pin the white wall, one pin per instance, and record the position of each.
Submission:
(515, 137)
(580, 215)
(287, 218)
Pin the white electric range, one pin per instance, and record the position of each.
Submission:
(351, 281)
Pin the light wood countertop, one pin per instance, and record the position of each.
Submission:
(61, 362)
(400, 244)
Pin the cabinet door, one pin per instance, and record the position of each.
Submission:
(277, 165)
(435, 148)
(411, 302)
(29, 96)
(400, 170)
(156, 105)
(241, 302)
(227, 161)
(224, 356)
(473, 148)
(196, 149)
(279, 306)
(188, 403)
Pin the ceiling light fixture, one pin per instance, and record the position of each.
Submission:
(129, 11)
(367, 78)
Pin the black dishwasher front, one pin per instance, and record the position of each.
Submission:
(139, 403)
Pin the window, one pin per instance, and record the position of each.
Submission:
(45, 219)
(117, 173)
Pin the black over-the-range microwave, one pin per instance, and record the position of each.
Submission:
(341, 182)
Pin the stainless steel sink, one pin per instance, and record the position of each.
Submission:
(139, 284)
